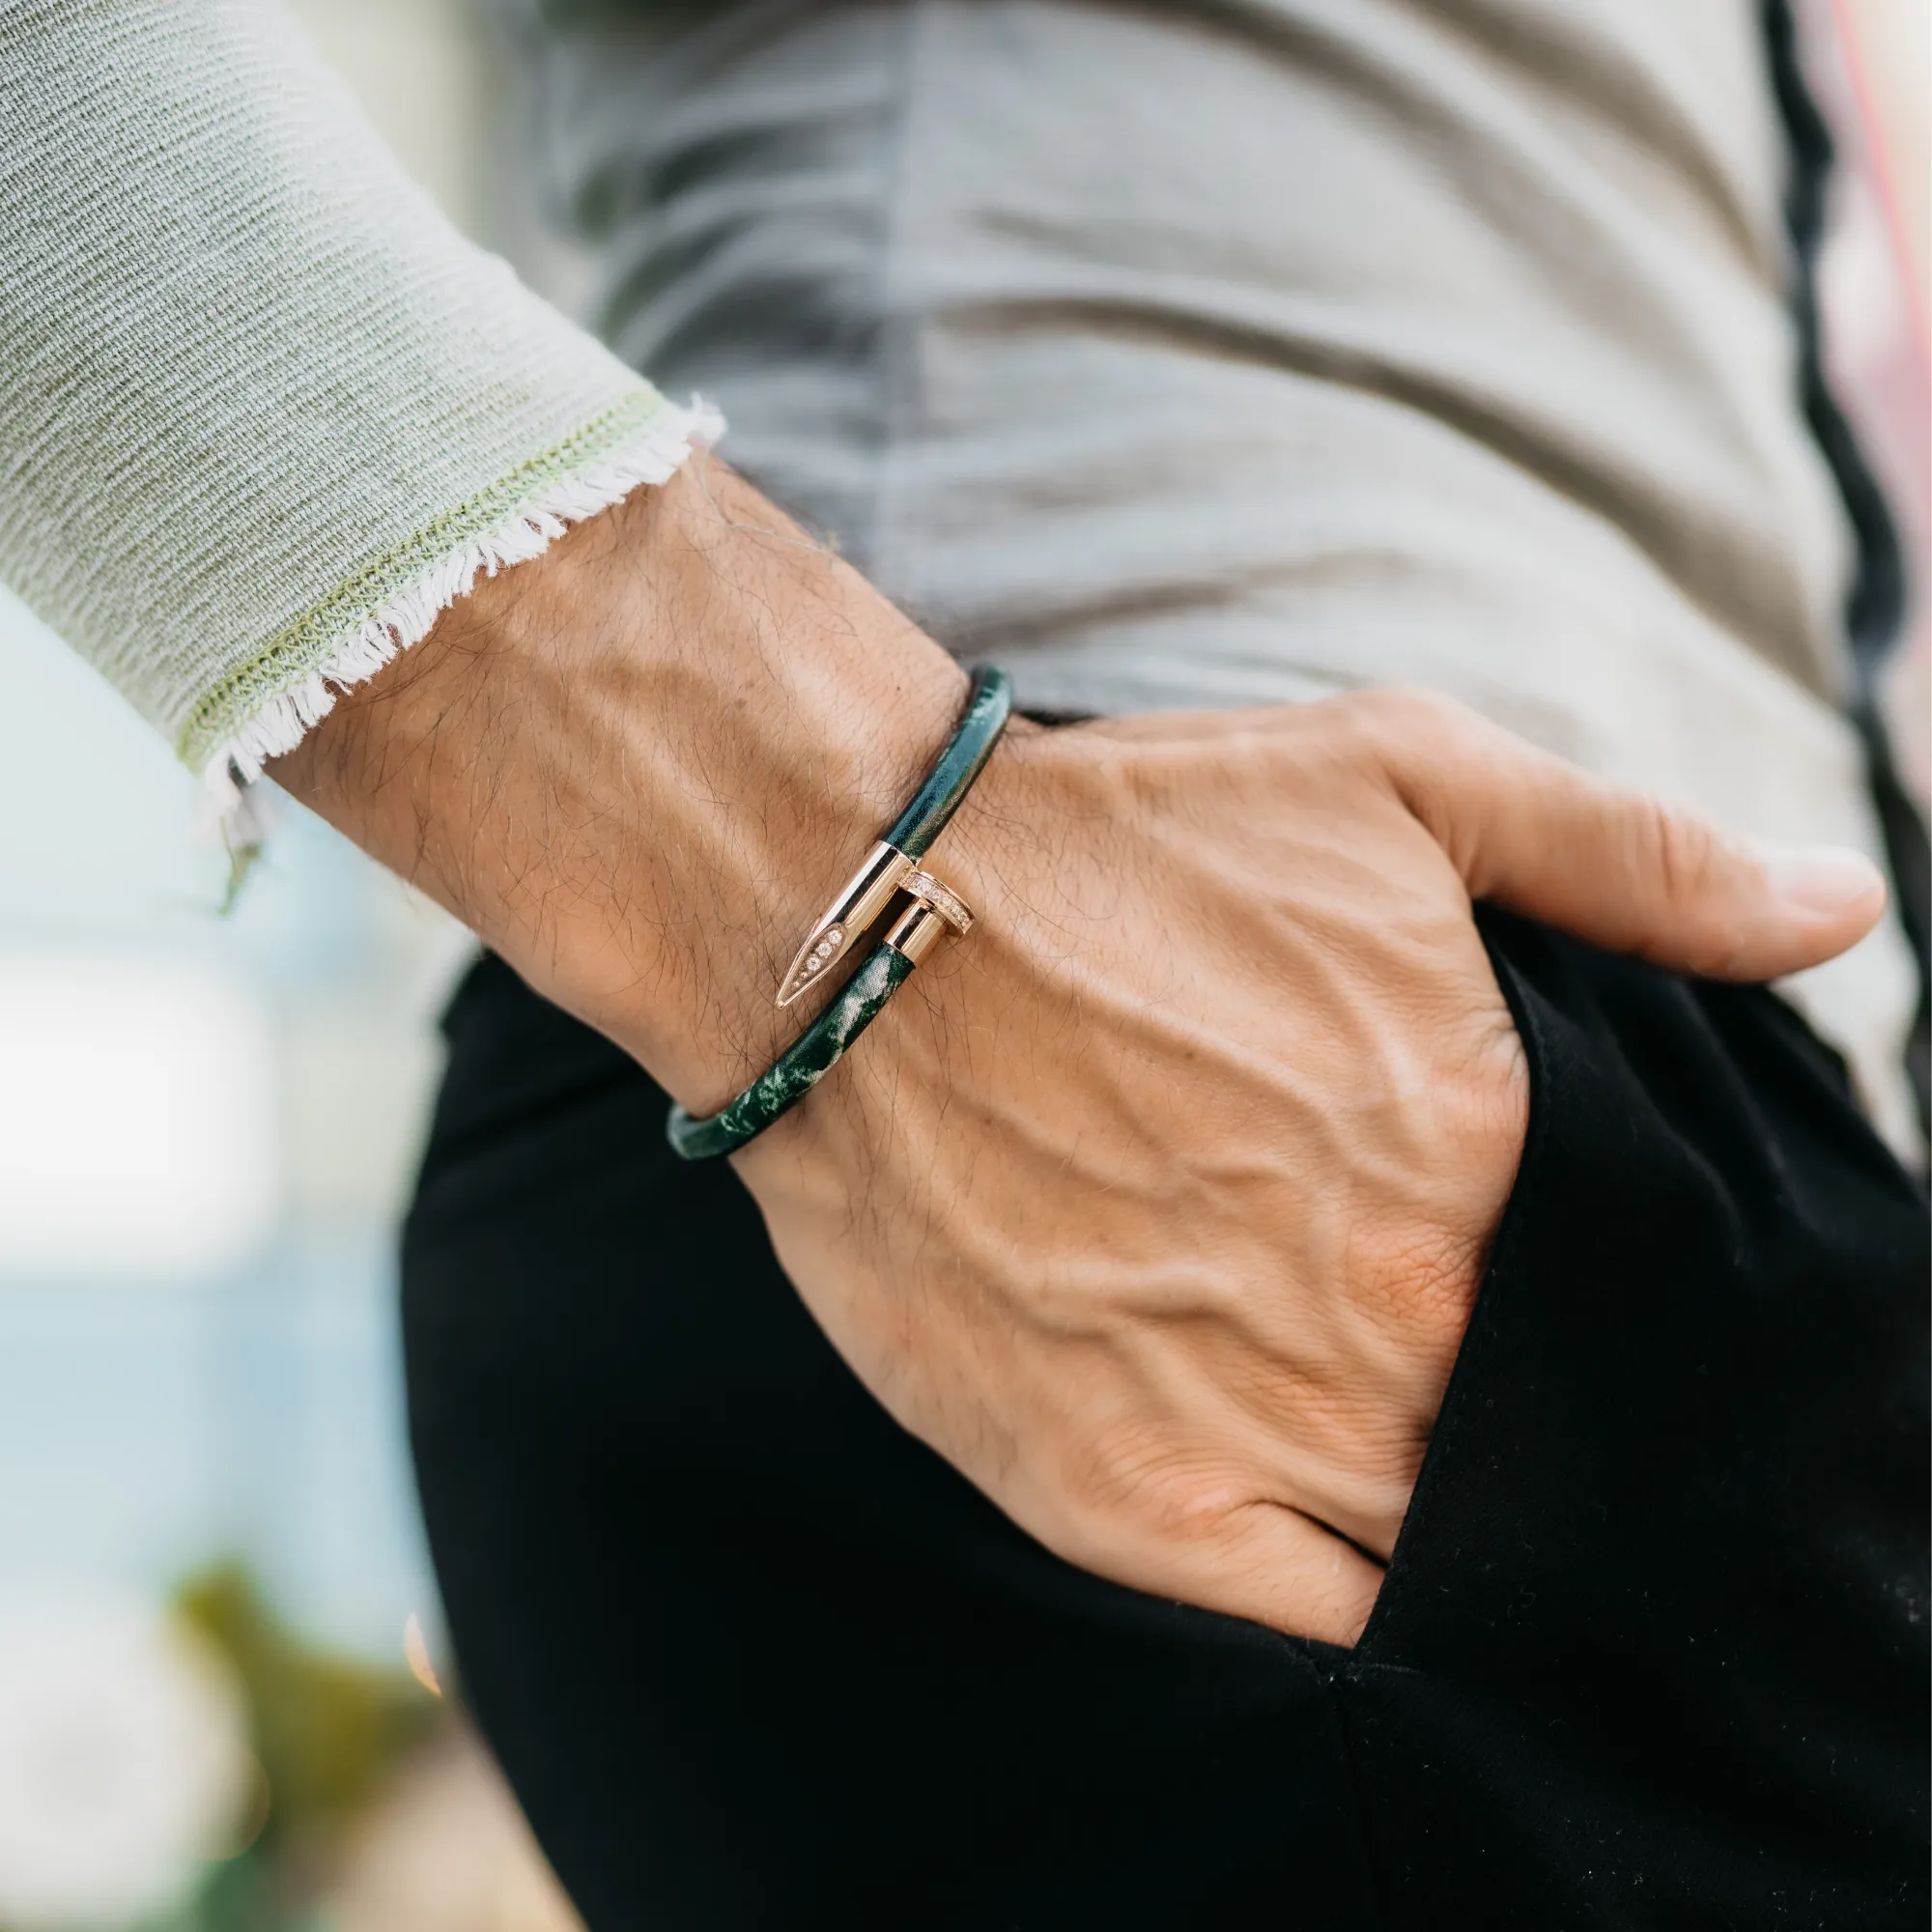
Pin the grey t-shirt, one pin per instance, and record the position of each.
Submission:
(1209, 354)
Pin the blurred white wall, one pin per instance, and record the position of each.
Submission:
(208, 1123)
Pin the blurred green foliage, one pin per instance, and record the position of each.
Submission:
(327, 1731)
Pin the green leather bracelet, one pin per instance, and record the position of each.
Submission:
(890, 871)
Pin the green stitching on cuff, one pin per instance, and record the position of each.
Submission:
(301, 647)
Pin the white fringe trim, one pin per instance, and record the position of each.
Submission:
(284, 720)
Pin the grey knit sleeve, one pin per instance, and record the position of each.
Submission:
(263, 412)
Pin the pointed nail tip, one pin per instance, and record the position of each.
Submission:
(800, 981)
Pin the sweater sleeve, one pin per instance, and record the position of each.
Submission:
(263, 412)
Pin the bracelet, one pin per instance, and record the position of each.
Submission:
(891, 868)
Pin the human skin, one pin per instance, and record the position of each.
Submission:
(1158, 1204)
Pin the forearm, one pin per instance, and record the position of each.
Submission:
(638, 765)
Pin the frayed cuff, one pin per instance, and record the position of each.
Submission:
(503, 527)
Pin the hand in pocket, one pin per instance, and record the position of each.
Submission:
(1158, 1208)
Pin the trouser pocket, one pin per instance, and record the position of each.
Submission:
(1649, 1650)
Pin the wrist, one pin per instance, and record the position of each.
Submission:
(635, 765)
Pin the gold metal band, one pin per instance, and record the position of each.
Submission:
(885, 873)
(916, 930)
(940, 896)
(849, 917)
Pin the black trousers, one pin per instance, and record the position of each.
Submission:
(1651, 1652)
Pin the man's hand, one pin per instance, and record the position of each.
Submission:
(1158, 1204)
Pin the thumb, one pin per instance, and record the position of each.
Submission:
(1627, 872)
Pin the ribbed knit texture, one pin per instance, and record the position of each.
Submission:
(263, 412)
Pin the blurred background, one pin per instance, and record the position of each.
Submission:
(220, 1655)
(213, 1579)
